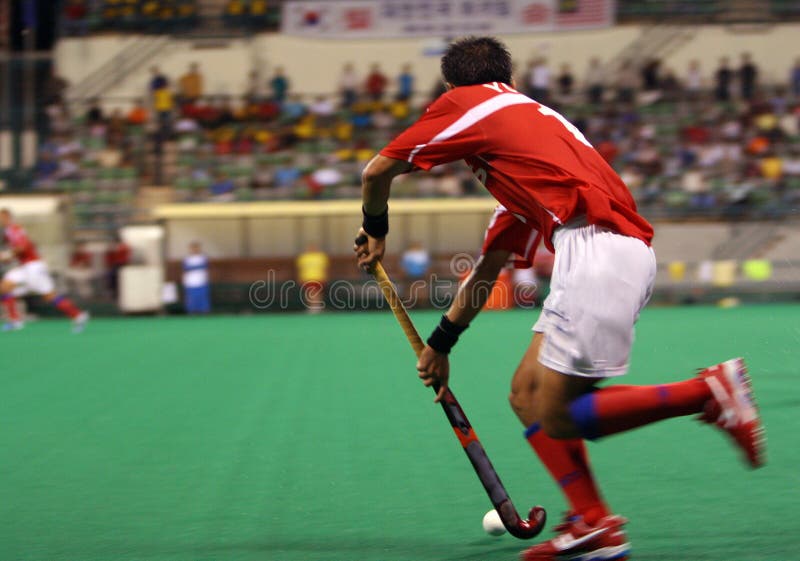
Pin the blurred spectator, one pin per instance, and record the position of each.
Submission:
(375, 85)
(595, 81)
(80, 271)
(693, 82)
(694, 183)
(163, 104)
(312, 272)
(157, 80)
(115, 129)
(234, 12)
(222, 188)
(321, 179)
(771, 167)
(75, 12)
(57, 118)
(626, 82)
(294, 108)
(279, 84)
(138, 113)
(46, 170)
(748, 77)
(539, 80)
(197, 290)
(416, 262)
(254, 92)
(794, 79)
(161, 98)
(118, 255)
(190, 85)
(54, 88)
(722, 80)
(671, 88)
(651, 78)
(94, 115)
(405, 84)
(348, 85)
(322, 108)
(261, 181)
(286, 176)
(566, 81)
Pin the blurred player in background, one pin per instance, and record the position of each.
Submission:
(312, 272)
(542, 169)
(416, 262)
(30, 276)
(197, 291)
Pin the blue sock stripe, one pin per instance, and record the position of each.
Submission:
(6, 297)
(533, 429)
(584, 415)
(571, 477)
(57, 300)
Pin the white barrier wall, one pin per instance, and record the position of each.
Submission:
(314, 65)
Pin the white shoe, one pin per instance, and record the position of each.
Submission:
(79, 323)
(13, 325)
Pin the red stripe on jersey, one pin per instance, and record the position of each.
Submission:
(509, 233)
(535, 162)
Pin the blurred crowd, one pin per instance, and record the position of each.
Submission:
(698, 139)
(80, 17)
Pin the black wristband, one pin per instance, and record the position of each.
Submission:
(445, 336)
(376, 226)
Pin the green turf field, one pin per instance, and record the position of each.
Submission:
(294, 437)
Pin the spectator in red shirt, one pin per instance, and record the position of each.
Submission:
(75, 17)
(376, 83)
(117, 256)
(79, 272)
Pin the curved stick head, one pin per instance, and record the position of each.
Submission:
(527, 529)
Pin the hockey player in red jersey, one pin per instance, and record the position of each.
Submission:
(543, 170)
(29, 276)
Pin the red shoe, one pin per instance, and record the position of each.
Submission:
(733, 409)
(577, 541)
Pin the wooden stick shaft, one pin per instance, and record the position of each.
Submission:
(399, 311)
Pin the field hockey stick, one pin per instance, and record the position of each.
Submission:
(516, 526)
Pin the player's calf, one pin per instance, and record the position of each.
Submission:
(13, 318)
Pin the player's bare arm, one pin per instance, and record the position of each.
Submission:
(376, 180)
(434, 365)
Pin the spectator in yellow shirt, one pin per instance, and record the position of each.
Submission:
(190, 85)
(312, 272)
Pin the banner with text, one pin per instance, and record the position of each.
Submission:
(352, 19)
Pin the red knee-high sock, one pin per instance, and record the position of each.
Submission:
(620, 408)
(568, 463)
(11, 307)
(66, 306)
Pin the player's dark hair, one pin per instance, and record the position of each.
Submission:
(476, 60)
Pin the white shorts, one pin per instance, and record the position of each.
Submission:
(601, 281)
(30, 278)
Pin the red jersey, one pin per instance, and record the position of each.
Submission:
(507, 232)
(22, 246)
(531, 159)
